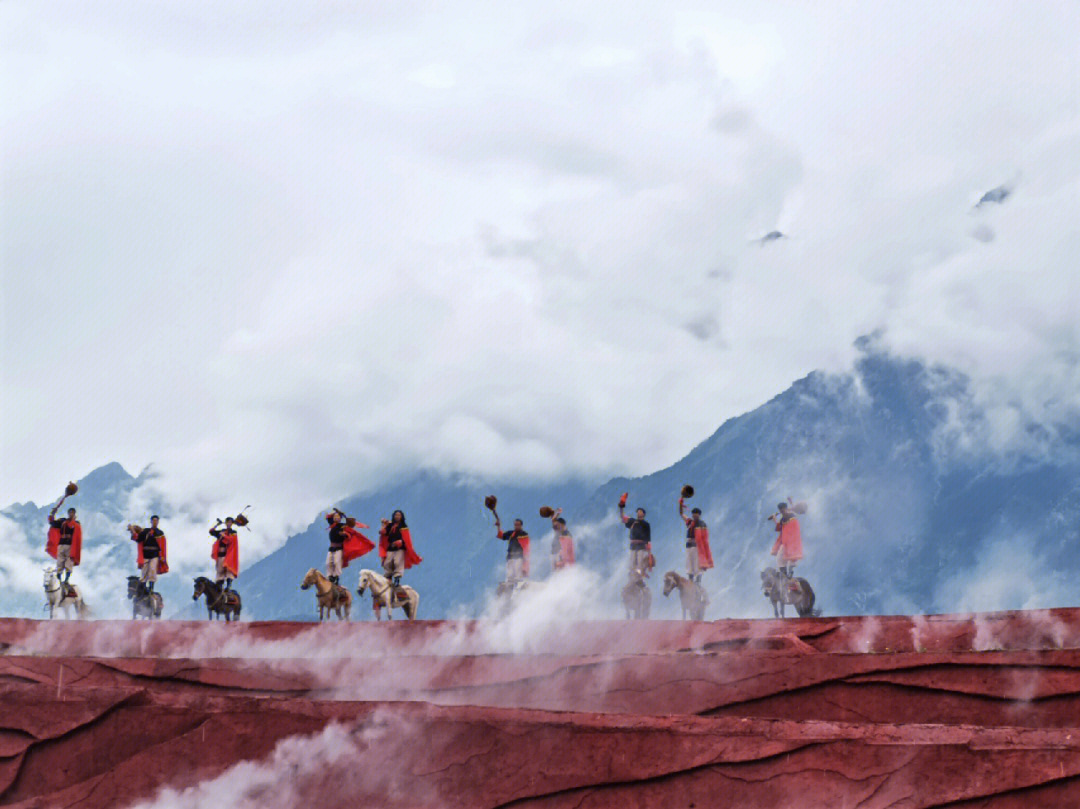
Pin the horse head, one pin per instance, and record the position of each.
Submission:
(133, 586)
(671, 581)
(309, 579)
(365, 581)
(200, 588)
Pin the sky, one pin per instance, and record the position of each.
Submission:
(288, 252)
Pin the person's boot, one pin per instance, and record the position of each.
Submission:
(150, 587)
(333, 579)
(396, 584)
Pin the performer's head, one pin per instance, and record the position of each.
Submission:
(695, 511)
(559, 521)
(71, 514)
(153, 520)
(641, 514)
(228, 522)
(331, 517)
(518, 524)
(398, 517)
(782, 508)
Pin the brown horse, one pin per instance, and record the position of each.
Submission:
(218, 600)
(330, 597)
(637, 599)
(691, 594)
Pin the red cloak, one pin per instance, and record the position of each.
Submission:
(52, 543)
(162, 565)
(566, 548)
(791, 539)
(523, 541)
(354, 546)
(411, 556)
(232, 552)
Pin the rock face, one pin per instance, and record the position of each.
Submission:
(972, 711)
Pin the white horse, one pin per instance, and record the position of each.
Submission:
(381, 589)
(55, 596)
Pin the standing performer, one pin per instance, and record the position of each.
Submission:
(151, 559)
(698, 552)
(346, 543)
(640, 542)
(517, 550)
(562, 547)
(64, 542)
(225, 553)
(789, 540)
(396, 549)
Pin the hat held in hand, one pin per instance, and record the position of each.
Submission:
(687, 491)
(70, 489)
(547, 511)
(240, 519)
(490, 501)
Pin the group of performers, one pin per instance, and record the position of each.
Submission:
(346, 543)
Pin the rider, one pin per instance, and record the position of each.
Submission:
(346, 543)
(640, 542)
(64, 542)
(396, 549)
(517, 550)
(562, 547)
(698, 553)
(789, 540)
(225, 553)
(151, 558)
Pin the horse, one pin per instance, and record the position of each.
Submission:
(143, 602)
(783, 591)
(63, 595)
(381, 589)
(637, 599)
(691, 594)
(218, 600)
(330, 597)
(507, 591)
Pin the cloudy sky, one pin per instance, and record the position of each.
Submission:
(286, 251)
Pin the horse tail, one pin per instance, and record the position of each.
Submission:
(83, 609)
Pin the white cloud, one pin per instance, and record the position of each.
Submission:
(284, 254)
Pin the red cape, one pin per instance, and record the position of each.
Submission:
(701, 537)
(162, 565)
(411, 556)
(566, 545)
(791, 538)
(354, 546)
(232, 552)
(52, 543)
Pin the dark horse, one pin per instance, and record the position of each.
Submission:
(218, 601)
(143, 602)
(781, 590)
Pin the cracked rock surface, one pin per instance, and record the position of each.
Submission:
(958, 711)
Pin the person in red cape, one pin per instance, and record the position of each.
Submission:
(641, 558)
(346, 544)
(517, 550)
(788, 541)
(396, 548)
(151, 559)
(225, 553)
(698, 552)
(64, 542)
(562, 548)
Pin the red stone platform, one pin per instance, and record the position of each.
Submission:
(957, 711)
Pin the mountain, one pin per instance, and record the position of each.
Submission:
(909, 512)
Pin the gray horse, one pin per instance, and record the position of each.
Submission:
(782, 591)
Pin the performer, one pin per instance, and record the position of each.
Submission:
(396, 549)
(517, 550)
(562, 546)
(788, 541)
(346, 543)
(64, 542)
(698, 553)
(225, 553)
(640, 542)
(151, 559)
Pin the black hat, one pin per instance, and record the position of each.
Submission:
(154, 517)
(695, 510)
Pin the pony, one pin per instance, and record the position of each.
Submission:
(63, 596)
(781, 591)
(691, 594)
(143, 602)
(329, 596)
(381, 589)
(636, 599)
(218, 600)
